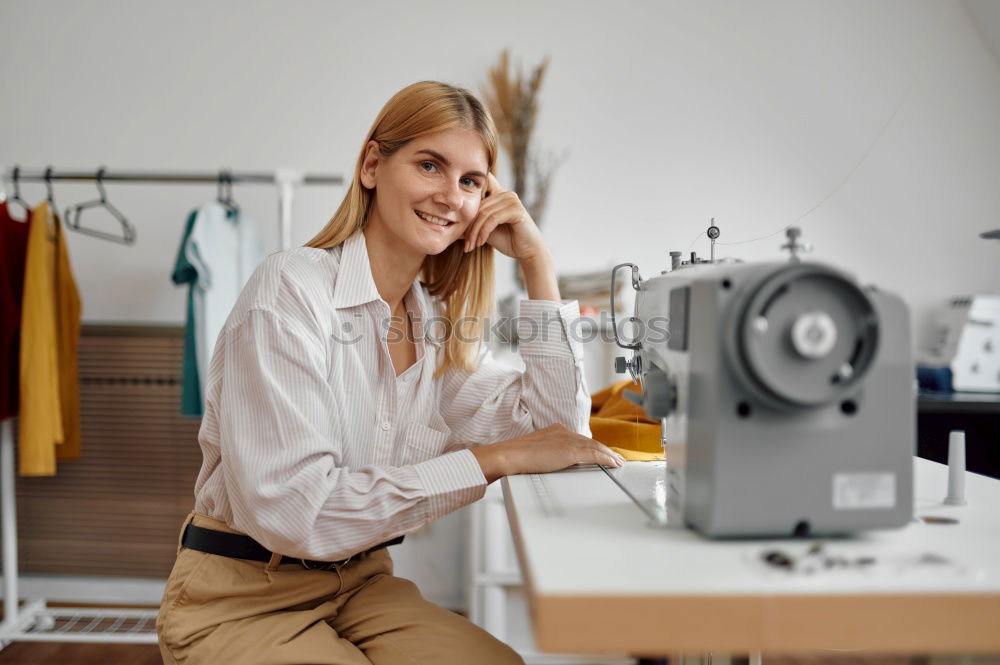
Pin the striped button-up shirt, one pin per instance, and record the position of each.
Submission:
(315, 448)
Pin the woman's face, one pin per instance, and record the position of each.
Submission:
(428, 192)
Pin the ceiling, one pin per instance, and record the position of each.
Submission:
(986, 15)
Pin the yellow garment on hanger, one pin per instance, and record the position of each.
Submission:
(50, 324)
(68, 334)
(622, 425)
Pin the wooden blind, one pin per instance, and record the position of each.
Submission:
(117, 510)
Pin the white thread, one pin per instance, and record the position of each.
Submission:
(916, 77)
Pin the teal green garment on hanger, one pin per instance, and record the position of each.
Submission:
(185, 273)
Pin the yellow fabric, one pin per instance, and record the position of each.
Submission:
(68, 334)
(637, 456)
(623, 426)
(50, 324)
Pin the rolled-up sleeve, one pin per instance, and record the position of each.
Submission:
(282, 452)
(494, 402)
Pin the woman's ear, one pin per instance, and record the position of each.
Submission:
(369, 165)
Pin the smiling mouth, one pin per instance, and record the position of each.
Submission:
(431, 219)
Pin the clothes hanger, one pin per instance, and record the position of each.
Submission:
(17, 195)
(74, 213)
(48, 191)
(225, 195)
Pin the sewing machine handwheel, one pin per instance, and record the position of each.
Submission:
(806, 338)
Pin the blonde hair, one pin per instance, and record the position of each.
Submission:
(462, 281)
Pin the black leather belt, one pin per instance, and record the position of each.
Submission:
(238, 546)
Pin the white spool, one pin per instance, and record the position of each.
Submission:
(956, 469)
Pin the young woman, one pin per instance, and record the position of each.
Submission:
(349, 401)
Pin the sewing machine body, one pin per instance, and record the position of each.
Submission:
(786, 394)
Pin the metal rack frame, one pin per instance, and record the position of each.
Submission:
(35, 621)
(284, 179)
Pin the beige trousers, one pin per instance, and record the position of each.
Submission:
(218, 610)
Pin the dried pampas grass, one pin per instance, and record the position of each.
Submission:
(513, 101)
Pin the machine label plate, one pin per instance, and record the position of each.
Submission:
(861, 491)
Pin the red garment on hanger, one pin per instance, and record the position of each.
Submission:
(13, 248)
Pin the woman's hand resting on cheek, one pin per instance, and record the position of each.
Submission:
(504, 223)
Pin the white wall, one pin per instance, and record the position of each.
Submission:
(673, 112)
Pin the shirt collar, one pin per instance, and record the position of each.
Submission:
(355, 284)
(424, 315)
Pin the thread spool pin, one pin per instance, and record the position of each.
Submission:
(956, 469)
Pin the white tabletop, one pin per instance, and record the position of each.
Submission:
(603, 577)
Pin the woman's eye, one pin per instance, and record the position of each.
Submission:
(427, 166)
(469, 182)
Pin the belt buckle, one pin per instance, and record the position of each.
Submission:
(333, 565)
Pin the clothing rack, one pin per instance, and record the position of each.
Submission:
(35, 622)
(285, 179)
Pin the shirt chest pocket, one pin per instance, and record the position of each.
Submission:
(421, 443)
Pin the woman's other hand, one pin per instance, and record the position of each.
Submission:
(549, 449)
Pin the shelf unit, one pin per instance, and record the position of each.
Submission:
(495, 592)
(495, 595)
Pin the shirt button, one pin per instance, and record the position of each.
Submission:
(385, 425)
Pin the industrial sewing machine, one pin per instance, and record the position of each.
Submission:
(785, 393)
